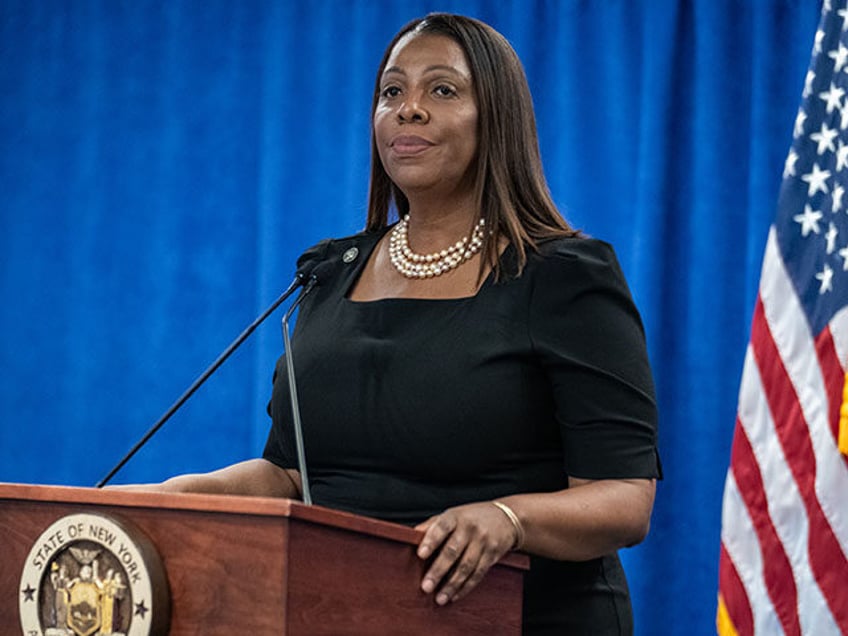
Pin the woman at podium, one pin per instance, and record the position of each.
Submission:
(475, 368)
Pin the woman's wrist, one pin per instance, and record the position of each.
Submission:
(515, 521)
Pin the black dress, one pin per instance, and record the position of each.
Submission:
(411, 406)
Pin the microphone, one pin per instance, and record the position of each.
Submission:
(318, 274)
(303, 276)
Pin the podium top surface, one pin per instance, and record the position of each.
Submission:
(225, 504)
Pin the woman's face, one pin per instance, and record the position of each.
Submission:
(425, 123)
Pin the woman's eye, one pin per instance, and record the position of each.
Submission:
(443, 90)
(390, 91)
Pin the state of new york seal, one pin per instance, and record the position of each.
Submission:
(92, 575)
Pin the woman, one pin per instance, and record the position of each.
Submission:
(497, 393)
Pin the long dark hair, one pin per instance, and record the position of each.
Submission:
(511, 190)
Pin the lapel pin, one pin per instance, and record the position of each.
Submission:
(350, 255)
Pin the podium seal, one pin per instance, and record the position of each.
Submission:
(93, 575)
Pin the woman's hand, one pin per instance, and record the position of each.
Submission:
(585, 521)
(467, 541)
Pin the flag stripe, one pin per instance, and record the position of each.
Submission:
(826, 558)
(834, 377)
(784, 504)
(777, 571)
(724, 626)
(839, 333)
(797, 351)
(736, 606)
(834, 373)
(739, 538)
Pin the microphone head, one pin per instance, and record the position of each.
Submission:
(303, 273)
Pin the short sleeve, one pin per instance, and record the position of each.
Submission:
(588, 334)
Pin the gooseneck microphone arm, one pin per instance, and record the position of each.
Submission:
(295, 406)
(299, 279)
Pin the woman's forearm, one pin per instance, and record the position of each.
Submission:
(254, 477)
(586, 521)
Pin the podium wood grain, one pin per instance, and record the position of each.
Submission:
(250, 565)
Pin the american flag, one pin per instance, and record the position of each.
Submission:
(784, 537)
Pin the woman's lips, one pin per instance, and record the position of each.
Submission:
(409, 144)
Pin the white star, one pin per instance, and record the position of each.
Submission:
(830, 238)
(808, 84)
(826, 278)
(818, 42)
(809, 220)
(843, 13)
(789, 166)
(843, 118)
(799, 124)
(844, 254)
(816, 180)
(839, 57)
(826, 6)
(838, 191)
(825, 137)
(841, 156)
(832, 97)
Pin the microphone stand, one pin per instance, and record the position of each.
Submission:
(297, 282)
(298, 428)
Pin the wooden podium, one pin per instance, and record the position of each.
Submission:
(249, 565)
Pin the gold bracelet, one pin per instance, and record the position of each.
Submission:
(513, 518)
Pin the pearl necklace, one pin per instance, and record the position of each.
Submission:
(414, 265)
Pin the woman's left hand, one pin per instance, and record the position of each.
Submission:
(467, 541)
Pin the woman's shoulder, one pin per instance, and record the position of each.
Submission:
(575, 254)
(565, 269)
(330, 248)
(580, 278)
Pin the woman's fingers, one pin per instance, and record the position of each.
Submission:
(466, 542)
(436, 529)
(465, 571)
(441, 537)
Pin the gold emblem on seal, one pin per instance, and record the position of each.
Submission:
(91, 575)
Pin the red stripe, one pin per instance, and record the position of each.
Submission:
(777, 571)
(834, 379)
(733, 592)
(827, 561)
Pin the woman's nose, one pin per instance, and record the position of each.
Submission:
(411, 110)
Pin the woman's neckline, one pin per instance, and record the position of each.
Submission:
(368, 252)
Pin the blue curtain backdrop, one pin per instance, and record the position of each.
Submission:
(162, 164)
